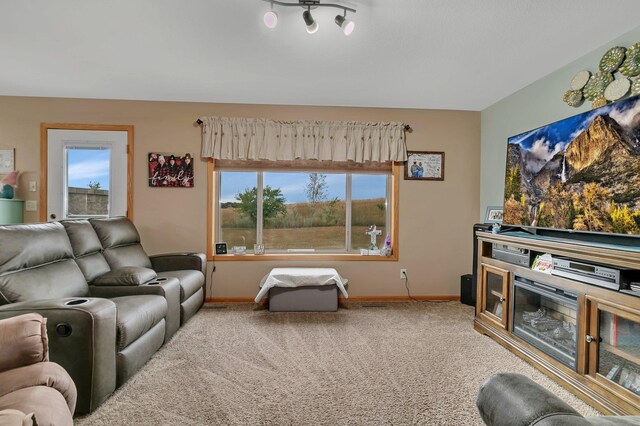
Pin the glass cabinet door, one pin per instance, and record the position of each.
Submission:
(614, 347)
(495, 282)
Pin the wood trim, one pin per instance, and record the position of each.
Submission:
(357, 299)
(44, 157)
(395, 213)
(395, 216)
(210, 210)
(300, 256)
(44, 170)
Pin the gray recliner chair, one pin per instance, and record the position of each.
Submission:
(121, 248)
(125, 281)
(99, 342)
(510, 399)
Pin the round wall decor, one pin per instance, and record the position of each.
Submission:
(617, 89)
(631, 65)
(596, 85)
(635, 86)
(580, 80)
(573, 98)
(612, 59)
(598, 102)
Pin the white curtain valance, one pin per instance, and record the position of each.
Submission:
(227, 138)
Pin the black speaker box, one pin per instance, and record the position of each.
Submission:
(467, 290)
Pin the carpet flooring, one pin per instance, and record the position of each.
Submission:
(395, 364)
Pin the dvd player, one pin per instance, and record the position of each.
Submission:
(511, 254)
(601, 276)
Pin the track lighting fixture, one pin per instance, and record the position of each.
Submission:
(312, 25)
(271, 19)
(346, 25)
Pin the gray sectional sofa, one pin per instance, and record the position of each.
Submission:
(108, 311)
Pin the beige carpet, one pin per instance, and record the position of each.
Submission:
(404, 363)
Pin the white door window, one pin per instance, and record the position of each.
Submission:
(87, 174)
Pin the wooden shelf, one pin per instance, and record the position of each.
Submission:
(621, 353)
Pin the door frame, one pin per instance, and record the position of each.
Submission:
(44, 160)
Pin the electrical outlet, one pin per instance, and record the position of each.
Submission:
(403, 274)
(32, 186)
(31, 206)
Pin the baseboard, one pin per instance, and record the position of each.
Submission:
(343, 300)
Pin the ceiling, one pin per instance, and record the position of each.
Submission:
(445, 54)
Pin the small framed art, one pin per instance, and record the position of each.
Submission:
(6, 161)
(494, 214)
(424, 165)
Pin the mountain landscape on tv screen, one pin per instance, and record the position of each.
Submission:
(581, 173)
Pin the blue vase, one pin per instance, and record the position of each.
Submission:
(7, 192)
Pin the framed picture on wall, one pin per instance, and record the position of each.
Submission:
(170, 170)
(6, 161)
(424, 165)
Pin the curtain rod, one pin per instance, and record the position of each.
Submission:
(407, 128)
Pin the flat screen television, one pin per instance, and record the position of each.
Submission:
(581, 173)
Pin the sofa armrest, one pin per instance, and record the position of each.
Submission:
(47, 374)
(82, 339)
(23, 341)
(509, 399)
(179, 261)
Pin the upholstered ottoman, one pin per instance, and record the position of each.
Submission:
(302, 289)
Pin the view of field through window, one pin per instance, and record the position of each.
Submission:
(301, 210)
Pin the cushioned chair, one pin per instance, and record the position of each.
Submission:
(125, 281)
(30, 385)
(121, 248)
(100, 342)
(510, 399)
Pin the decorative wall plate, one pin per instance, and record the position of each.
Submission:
(579, 80)
(573, 98)
(596, 85)
(631, 65)
(617, 89)
(612, 59)
(598, 102)
(635, 86)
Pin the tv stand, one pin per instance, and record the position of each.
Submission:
(587, 338)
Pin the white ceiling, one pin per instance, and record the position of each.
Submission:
(449, 54)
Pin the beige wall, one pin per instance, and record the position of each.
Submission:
(435, 217)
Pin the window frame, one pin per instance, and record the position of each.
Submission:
(213, 209)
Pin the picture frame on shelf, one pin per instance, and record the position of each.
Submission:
(424, 165)
(494, 214)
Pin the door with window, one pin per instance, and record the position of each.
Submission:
(88, 173)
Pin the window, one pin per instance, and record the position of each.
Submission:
(87, 171)
(87, 182)
(310, 211)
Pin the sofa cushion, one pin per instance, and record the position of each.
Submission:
(23, 341)
(48, 404)
(40, 374)
(51, 281)
(190, 281)
(82, 236)
(123, 256)
(128, 275)
(27, 246)
(135, 315)
(92, 266)
(115, 231)
(11, 417)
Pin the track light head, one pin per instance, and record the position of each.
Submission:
(312, 25)
(271, 19)
(345, 24)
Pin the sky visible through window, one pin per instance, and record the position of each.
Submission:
(88, 165)
(364, 186)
